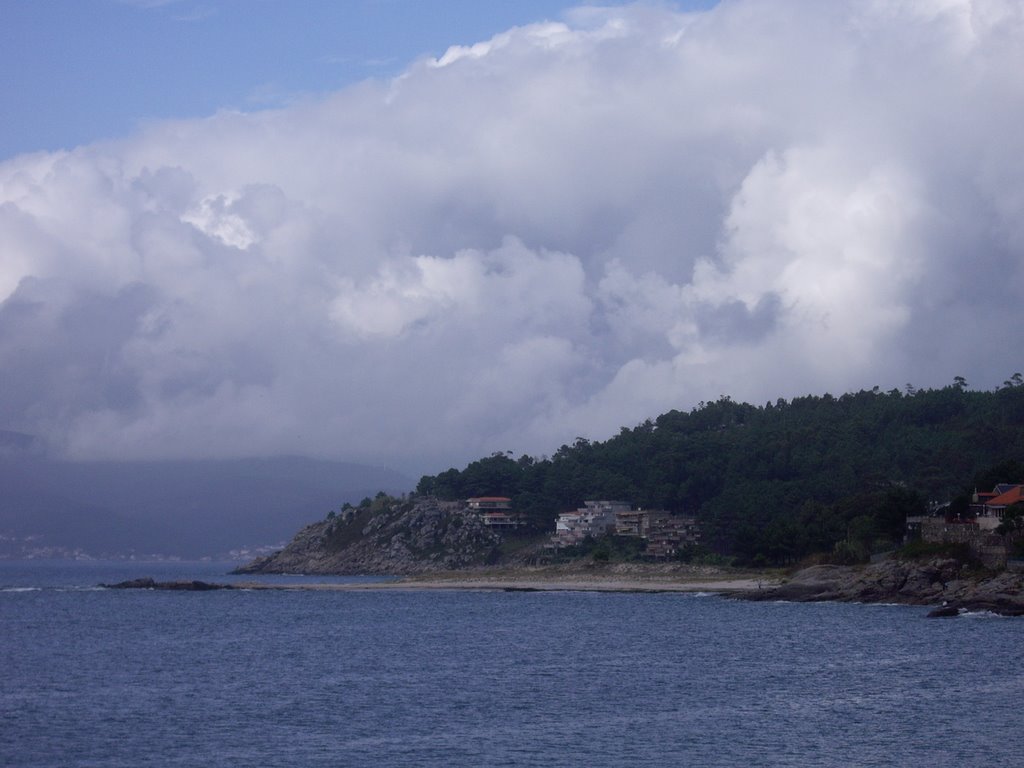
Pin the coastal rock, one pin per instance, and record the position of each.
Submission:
(173, 586)
(944, 612)
(941, 582)
(399, 539)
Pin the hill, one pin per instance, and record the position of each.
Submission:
(386, 536)
(774, 483)
(173, 508)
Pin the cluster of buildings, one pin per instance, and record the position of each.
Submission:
(594, 518)
(977, 529)
(663, 533)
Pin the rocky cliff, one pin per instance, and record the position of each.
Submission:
(388, 538)
(942, 582)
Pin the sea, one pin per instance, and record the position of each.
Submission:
(99, 677)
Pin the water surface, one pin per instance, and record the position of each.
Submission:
(438, 678)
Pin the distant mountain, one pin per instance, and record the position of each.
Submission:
(173, 508)
(16, 442)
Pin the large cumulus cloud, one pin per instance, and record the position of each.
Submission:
(562, 230)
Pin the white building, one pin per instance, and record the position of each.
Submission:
(594, 518)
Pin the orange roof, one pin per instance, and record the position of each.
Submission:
(1012, 496)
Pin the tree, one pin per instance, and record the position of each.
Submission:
(1013, 520)
(782, 481)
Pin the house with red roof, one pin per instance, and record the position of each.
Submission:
(989, 511)
(495, 511)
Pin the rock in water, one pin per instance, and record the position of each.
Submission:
(173, 586)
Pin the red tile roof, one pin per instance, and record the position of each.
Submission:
(1012, 496)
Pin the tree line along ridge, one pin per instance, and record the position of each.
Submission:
(775, 483)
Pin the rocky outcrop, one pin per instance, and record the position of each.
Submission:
(396, 539)
(172, 586)
(939, 582)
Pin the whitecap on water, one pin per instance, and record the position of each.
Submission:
(980, 615)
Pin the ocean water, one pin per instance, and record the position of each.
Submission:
(92, 677)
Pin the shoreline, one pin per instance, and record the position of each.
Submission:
(942, 584)
(649, 586)
(578, 577)
(619, 578)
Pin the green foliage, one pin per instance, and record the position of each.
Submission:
(927, 550)
(605, 549)
(698, 554)
(778, 482)
(347, 528)
(1010, 471)
(1013, 520)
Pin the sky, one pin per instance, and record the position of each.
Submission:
(414, 234)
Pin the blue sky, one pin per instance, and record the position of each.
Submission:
(84, 70)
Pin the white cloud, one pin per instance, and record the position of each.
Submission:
(565, 229)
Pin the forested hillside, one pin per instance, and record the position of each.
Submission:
(780, 481)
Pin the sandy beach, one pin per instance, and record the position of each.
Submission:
(616, 585)
(573, 579)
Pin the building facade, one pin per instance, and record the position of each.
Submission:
(594, 518)
(664, 533)
(495, 512)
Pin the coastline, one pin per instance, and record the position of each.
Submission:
(577, 577)
(942, 584)
(526, 585)
(947, 585)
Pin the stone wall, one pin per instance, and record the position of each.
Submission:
(989, 548)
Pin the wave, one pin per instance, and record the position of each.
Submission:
(980, 615)
(52, 589)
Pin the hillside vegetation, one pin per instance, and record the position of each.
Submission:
(778, 482)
